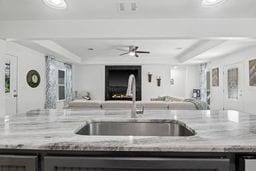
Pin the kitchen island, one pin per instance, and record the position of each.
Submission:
(46, 140)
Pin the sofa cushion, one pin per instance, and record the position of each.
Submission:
(168, 99)
(153, 105)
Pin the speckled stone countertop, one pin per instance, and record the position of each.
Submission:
(217, 131)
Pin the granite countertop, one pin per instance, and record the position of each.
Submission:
(217, 131)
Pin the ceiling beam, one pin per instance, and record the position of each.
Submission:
(243, 48)
(48, 47)
(129, 28)
(58, 51)
(198, 48)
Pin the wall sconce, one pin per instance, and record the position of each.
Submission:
(158, 81)
(172, 81)
(149, 77)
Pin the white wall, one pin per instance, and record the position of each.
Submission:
(28, 59)
(92, 78)
(192, 79)
(2, 86)
(249, 93)
(185, 80)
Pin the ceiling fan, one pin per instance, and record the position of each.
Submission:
(133, 51)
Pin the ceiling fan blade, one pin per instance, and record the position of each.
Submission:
(136, 55)
(143, 52)
(125, 50)
(124, 53)
(136, 48)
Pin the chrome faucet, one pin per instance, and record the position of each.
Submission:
(131, 92)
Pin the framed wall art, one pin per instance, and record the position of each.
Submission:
(252, 72)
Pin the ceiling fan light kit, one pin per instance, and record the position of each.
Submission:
(133, 51)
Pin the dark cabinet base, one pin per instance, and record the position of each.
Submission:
(133, 164)
(97, 169)
(18, 163)
(100, 169)
(53, 160)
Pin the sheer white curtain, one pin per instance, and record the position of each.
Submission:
(51, 83)
(69, 91)
(203, 82)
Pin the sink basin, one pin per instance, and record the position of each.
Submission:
(136, 128)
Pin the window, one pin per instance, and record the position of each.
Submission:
(61, 85)
(233, 83)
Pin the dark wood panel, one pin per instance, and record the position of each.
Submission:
(132, 164)
(18, 163)
(102, 169)
(12, 168)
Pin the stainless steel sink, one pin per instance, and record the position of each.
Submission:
(136, 128)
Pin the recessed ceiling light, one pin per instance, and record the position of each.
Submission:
(210, 3)
(56, 4)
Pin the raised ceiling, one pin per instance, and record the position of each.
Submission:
(109, 9)
(159, 49)
(162, 51)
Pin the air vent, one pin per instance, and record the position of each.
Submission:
(133, 6)
(127, 6)
(122, 6)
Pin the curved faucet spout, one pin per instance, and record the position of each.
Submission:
(131, 92)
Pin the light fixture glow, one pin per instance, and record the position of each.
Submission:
(132, 53)
(210, 3)
(56, 4)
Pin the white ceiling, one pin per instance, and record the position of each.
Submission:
(108, 9)
(70, 40)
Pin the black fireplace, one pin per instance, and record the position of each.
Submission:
(116, 81)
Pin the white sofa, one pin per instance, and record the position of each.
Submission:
(157, 105)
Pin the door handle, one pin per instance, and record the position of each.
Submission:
(15, 95)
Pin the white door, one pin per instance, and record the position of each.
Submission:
(10, 84)
(233, 87)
